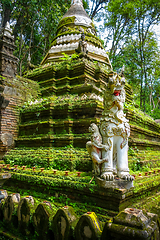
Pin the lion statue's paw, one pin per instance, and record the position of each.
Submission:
(107, 176)
(127, 177)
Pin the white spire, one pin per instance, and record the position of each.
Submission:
(7, 25)
(78, 2)
(7, 30)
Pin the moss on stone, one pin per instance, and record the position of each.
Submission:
(65, 21)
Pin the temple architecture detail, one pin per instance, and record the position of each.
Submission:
(8, 62)
(13, 91)
(82, 46)
(75, 22)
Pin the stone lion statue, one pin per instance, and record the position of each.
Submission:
(108, 147)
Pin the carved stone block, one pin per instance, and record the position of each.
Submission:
(23, 213)
(132, 224)
(62, 223)
(88, 227)
(41, 219)
(8, 209)
(7, 139)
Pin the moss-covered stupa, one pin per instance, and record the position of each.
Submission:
(72, 79)
(72, 90)
(72, 25)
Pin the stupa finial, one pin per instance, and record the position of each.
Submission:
(79, 2)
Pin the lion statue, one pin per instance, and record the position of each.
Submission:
(108, 147)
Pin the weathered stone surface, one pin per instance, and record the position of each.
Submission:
(7, 139)
(8, 209)
(41, 219)
(4, 192)
(62, 223)
(157, 121)
(3, 102)
(116, 183)
(16, 197)
(3, 177)
(23, 213)
(88, 227)
(132, 224)
(30, 199)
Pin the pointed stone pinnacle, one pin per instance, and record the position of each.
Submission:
(7, 25)
(7, 30)
(79, 2)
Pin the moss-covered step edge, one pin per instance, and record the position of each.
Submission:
(133, 142)
(61, 105)
(144, 131)
(57, 122)
(120, 198)
(70, 103)
(43, 152)
(147, 187)
(67, 67)
(140, 184)
(69, 123)
(143, 144)
(61, 200)
(149, 203)
(52, 136)
(111, 199)
(81, 64)
(70, 82)
(57, 161)
(139, 118)
(70, 158)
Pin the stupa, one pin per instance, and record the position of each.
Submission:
(73, 78)
(73, 85)
(72, 25)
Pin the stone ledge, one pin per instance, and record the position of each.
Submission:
(116, 183)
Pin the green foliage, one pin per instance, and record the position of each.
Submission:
(68, 158)
(34, 26)
(128, 27)
(135, 164)
(149, 89)
(69, 59)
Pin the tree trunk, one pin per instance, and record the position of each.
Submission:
(6, 16)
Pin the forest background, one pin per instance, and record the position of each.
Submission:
(128, 30)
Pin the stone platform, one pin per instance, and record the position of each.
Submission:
(116, 183)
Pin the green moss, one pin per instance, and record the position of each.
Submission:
(139, 118)
(57, 158)
(25, 89)
(66, 21)
(40, 70)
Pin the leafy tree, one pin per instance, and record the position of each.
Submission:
(131, 19)
(129, 55)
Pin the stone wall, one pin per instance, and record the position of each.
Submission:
(22, 217)
(15, 91)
